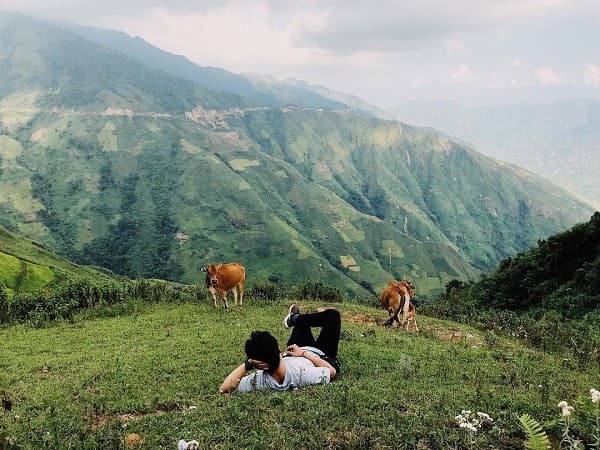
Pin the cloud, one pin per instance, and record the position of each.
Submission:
(591, 75)
(419, 83)
(380, 25)
(547, 76)
(384, 51)
(455, 47)
(462, 75)
(235, 36)
(91, 11)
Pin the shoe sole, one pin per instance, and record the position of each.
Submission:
(285, 319)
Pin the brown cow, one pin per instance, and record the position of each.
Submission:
(224, 278)
(395, 298)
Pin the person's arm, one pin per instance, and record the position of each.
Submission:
(294, 350)
(233, 379)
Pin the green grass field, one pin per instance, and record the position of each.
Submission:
(154, 370)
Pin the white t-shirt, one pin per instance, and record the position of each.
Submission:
(299, 372)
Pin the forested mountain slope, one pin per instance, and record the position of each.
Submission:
(561, 273)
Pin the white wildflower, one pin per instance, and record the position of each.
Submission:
(472, 422)
(468, 426)
(484, 417)
(595, 395)
(566, 410)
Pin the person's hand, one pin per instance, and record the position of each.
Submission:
(260, 365)
(294, 350)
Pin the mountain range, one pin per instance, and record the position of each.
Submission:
(559, 141)
(115, 161)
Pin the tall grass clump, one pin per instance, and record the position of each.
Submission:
(268, 291)
(317, 290)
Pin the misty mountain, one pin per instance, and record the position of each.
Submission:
(559, 141)
(213, 78)
(352, 101)
(113, 163)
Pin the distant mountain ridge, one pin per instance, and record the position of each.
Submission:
(118, 164)
(256, 88)
(559, 141)
(213, 78)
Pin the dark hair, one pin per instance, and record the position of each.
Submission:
(263, 347)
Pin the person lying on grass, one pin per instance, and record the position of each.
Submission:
(306, 360)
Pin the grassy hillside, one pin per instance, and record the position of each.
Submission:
(154, 372)
(561, 273)
(26, 266)
(112, 163)
(553, 286)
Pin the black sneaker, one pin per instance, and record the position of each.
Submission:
(288, 321)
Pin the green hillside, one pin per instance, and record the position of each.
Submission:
(26, 266)
(549, 296)
(154, 373)
(112, 163)
(561, 273)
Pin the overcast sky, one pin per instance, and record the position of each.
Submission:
(470, 51)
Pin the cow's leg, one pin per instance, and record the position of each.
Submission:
(235, 295)
(224, 296)
(397, 309)
(405, 305)
(415, 322)
(213, 294)
(241, 288)
(390, 319)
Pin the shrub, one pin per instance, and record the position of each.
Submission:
(268, 291)
(316, 290)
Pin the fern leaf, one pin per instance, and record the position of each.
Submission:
(537, 439)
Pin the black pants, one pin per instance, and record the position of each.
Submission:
(330, 323)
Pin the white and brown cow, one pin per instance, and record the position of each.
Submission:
(223, 278)
(395, 298)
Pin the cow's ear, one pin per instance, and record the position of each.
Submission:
(204, 268)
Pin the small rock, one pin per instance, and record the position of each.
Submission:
(133, 440)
